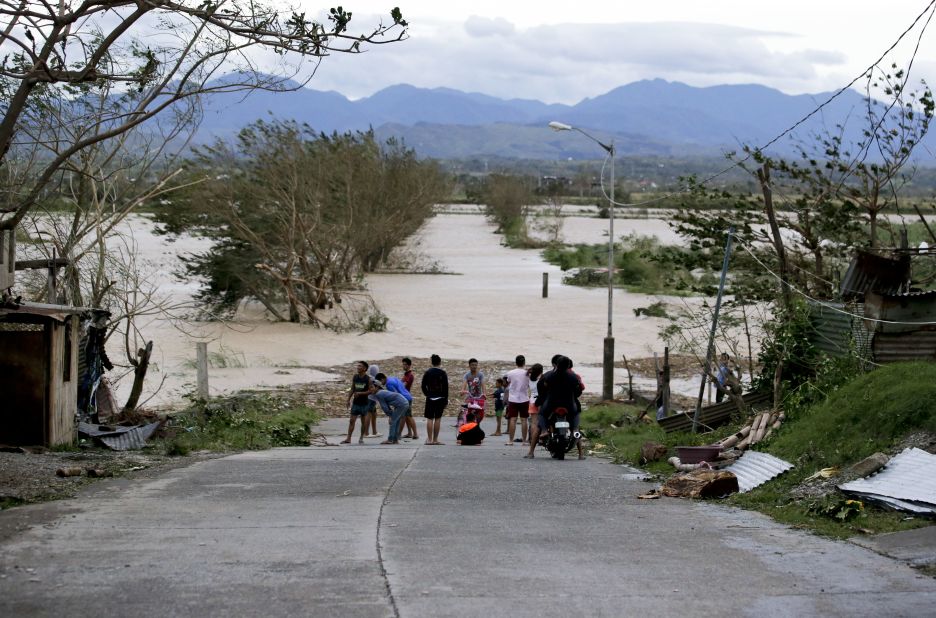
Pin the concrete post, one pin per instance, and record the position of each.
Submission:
(201, 362)
(545, 285)
(607, 391)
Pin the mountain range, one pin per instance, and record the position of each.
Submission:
(649, 118)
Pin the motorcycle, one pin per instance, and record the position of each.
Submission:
(559, 439)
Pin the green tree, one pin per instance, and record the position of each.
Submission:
(299, 217)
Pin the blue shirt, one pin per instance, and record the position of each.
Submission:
(396, 385)
(389, 399)
(722, 375)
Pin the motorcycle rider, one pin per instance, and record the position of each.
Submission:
(558, 388)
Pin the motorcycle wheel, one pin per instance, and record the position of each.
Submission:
(560, 453)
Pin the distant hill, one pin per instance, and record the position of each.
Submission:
(650, 117)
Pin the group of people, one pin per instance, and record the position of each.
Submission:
(527, 394)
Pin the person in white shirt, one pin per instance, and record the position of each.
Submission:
(518, 400)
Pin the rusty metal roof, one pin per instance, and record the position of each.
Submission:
(755, 468)
(905, 346)
(55, 312)
(907, 482)
(869, 272)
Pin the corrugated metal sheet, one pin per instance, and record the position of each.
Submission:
(837, 331)
(42, 310)
(754, 469)
(909, 312)
(896, 347)
(120, 438)
(871, 272)
(714, 415)
(908, 482)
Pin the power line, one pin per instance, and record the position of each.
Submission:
(930, 8)
(817, 301)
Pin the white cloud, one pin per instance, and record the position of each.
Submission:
(566, 62)
(481, 27)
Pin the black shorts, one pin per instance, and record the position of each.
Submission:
(515, 409)
(435, 408)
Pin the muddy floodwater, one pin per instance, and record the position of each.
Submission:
(488, 305)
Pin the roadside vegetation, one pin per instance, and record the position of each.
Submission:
(846, 416)
(249, 420)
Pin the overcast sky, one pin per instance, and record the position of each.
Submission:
(563, 52)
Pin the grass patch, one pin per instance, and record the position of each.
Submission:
(246, 421)
(873, 412)
(7, 502)
(624, 441)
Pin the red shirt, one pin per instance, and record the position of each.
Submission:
(408, 380)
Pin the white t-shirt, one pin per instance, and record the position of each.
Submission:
(518, 389)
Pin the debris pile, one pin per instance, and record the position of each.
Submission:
(906, 483)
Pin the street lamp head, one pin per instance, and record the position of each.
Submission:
(559, 126)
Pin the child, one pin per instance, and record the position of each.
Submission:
(499, 393)
(470, 433)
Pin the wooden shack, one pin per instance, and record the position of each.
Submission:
(38, 373)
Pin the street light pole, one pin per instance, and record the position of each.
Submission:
(607, 390)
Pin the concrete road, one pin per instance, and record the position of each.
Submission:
(426, 531)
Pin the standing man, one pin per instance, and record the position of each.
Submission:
(371, 418)
(721, 378)
(408, 376)
(358, 400)
(435, 387)
(518, 400)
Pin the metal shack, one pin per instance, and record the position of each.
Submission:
(909, 328)
(38, 373)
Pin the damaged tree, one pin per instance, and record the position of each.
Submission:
(165, 51)
(298, 218)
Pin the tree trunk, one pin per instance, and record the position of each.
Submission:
(139, 373)
(763, 176)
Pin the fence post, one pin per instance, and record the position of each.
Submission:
(666, 379)
(201, 362)
(545, 285)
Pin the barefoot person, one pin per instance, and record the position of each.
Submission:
(371, 418)
(408, 377)
(435, 387)
(518, 400)
(358, 401)
(500, 401)
(535, 372)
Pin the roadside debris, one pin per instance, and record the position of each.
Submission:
(118, 437)
(868, 466)
(700, 483)
(825, 473)
(652, 451)
(64, 472)
(760, 428)
(754, 468)
(907, 483)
